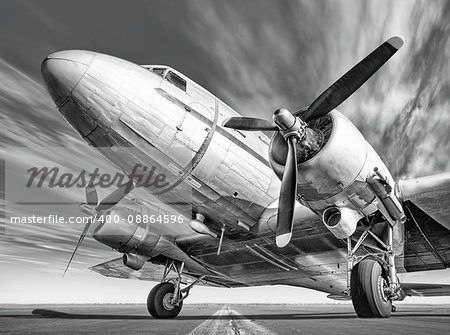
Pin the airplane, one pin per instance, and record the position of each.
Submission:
(313, 206)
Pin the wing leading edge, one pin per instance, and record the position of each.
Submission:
(154, 272)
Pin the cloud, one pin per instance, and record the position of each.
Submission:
(258, 56)
(268, 56)
(415, 139)
(29, 117)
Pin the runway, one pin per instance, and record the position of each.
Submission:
(219, 319)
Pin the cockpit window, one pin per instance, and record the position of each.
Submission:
(176, 80)
(158, 70)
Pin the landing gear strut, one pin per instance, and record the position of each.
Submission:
(166, 299)
(372, 281)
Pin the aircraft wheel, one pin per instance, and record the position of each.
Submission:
(159, 302)
(367, 289)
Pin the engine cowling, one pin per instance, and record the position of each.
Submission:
(120, 229)
(334, 167)
(335, 174)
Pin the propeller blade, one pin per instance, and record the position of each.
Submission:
(112, 199)
(91, 195)
(108, 202)
(80, 240)
(249, 123)
(353, 79)
(288, 194)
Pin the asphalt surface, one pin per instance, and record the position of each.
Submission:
(219, 319)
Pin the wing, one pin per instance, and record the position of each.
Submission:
(426, 290)
(431, 194)
(115, 268)
(427, 204)
(154, 272)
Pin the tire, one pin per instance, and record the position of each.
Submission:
(158, 302)
(366, 287)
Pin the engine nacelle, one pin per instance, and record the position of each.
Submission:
(134, 261)
(121, 229)
(335, 175)
(334, 167)
(341, 221)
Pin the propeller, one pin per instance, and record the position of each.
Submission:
(288, 194)
(249, 123)
(92, 208)
(112, 199)
(294, 129)
(345, 86)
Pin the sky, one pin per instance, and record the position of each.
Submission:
(256, 56)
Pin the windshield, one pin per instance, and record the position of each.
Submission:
(159, 70)
(176, 80)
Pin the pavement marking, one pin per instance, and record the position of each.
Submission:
(228, 321)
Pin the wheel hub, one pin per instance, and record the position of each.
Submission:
(167, 302)
(382, 288)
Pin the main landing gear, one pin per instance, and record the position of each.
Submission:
(161, 303)
(368, 288)
(166, 299)
(373, 282)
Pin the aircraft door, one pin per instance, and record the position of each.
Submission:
(191, 119)
(195, 127)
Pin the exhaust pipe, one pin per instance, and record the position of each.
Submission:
(134, 261)
(341, 221)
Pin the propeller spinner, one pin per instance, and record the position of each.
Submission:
(295, 130)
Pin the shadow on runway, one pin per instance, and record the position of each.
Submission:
(53, 314)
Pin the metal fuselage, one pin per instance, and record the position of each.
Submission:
(132, 115)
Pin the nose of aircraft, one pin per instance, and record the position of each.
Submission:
(63, 70)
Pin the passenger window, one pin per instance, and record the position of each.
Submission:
(176, 80)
